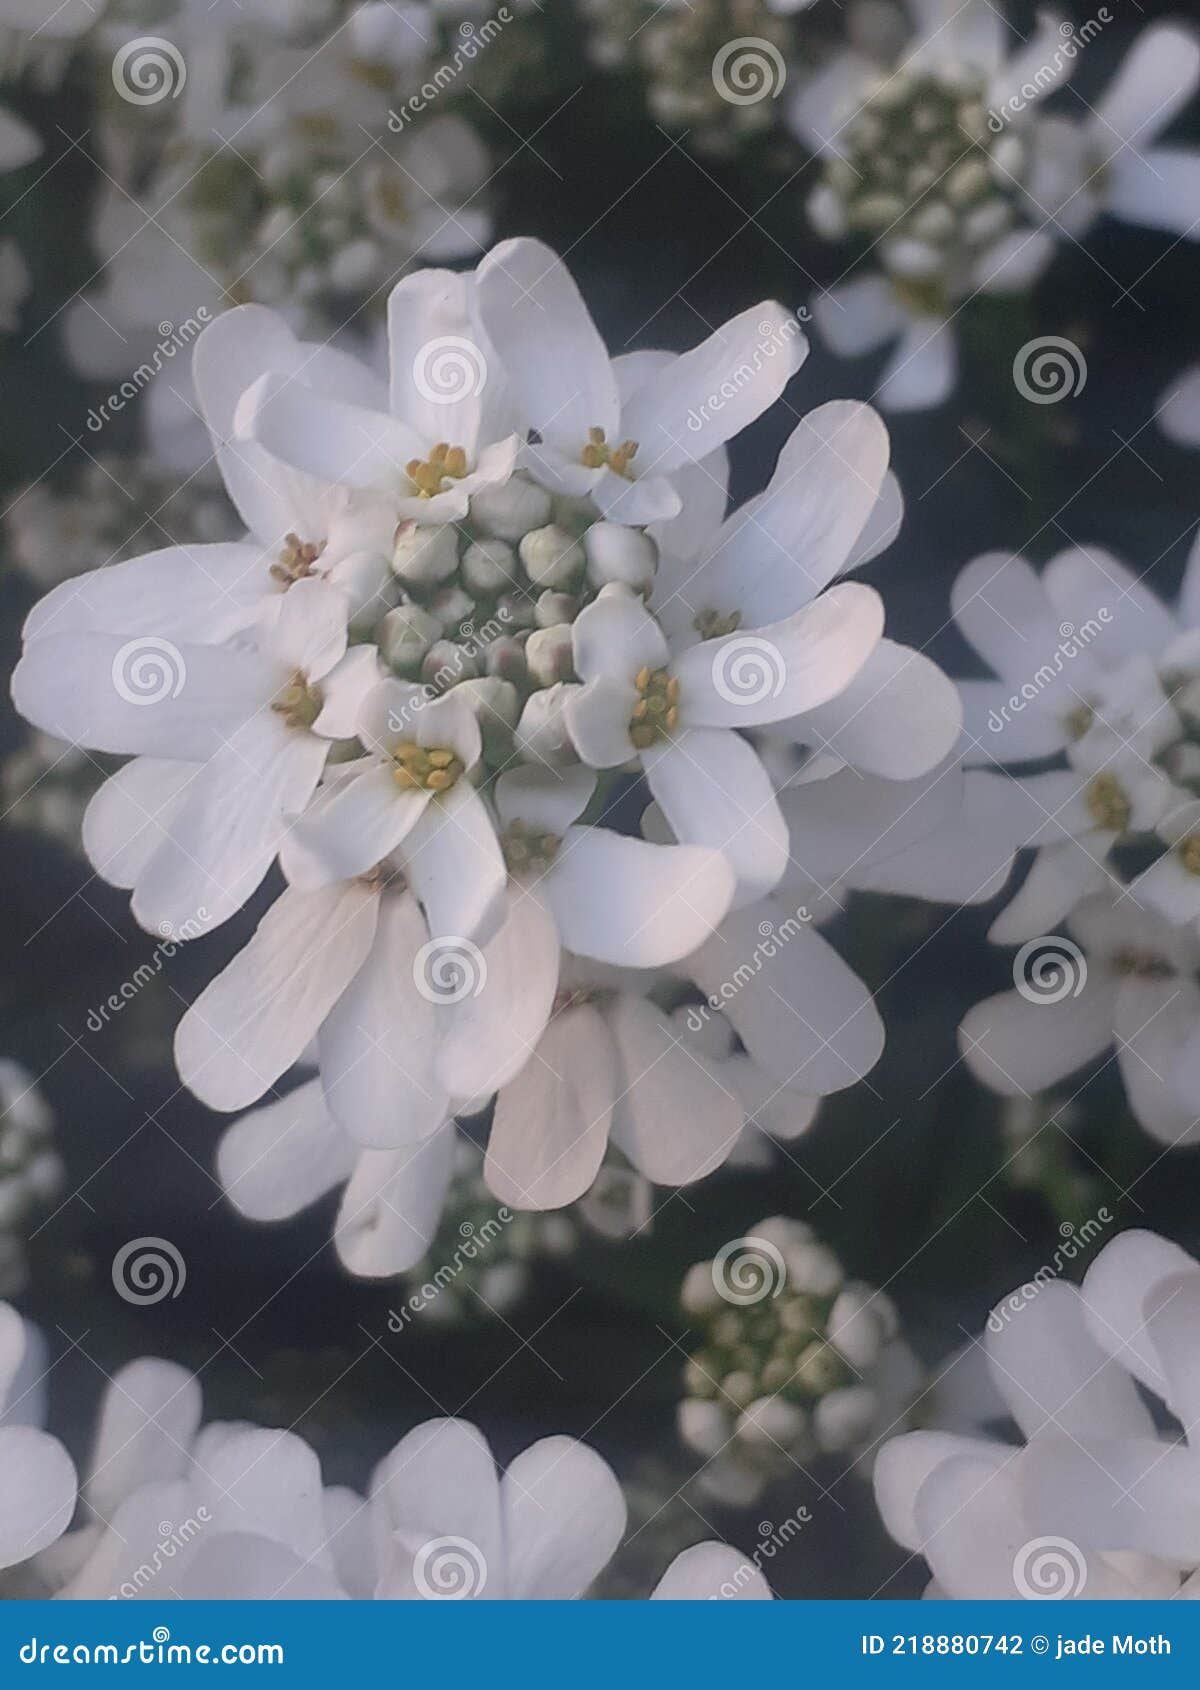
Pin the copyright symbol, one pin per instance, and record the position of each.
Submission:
(1039, 1645)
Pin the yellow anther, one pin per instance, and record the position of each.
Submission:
(598, 452)
(1107, 804)
(656, 713)
(297, 558)
(445, 462)
(419, 770)
(298, 703)
(526, 852)
(1189, 853)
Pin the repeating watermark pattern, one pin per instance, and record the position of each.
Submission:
(773, 339)
(449, 969)
(472, 41)
(449, 369)
(147, 971)
(771, 1539)
(1049, 1569)
(748, 670)
(746, 1270)
(748, 70)
(148, 1270)
(449, 1569)
(149, 70)
(1049, 369)
(171, 1539)
(1046, 75)
(772, 937)
(172, 340)
(148, 670)
(1075, 1241)
(1049, 969)
(475, 1240)
(1072, 641)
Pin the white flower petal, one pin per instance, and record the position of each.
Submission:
(352, 827)
(148, 1419)
(714, 791)
(1156, 78)
(922, 370)
(673, 1116)
(551, 1122)
(455, 866)
(326, 438)
(597, 718)
(711, 1571)
(391, 1208)
(1116, 1290)
(563, 1516)
(200, 594)
(378, 1044)
(902, 1467)
(253, 1022)
(546, 800)
(38, 1497)
(278, 1159)
(1018, 1046)
(899, 717)
(615, 637)
(1005, 612)
(633, 904)
(491, 1034)
(439, 1482)
(131, 814)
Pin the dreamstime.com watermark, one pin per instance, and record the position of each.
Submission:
(171, 1539)
(1072, 641)
(157, 1651)
(148, 70)
(1048, 369)
(148, 1270)
(1046, 75)
(771, 1539)
(472, 41)
(748, 70)
(475, 1240)
(149, 970)
(472, 642)
(1075, 1240)
(772, 938)
(172, 341)
(773, 339)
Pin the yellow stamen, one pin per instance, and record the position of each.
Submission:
(419, 770)
(598, 452)
(656, 713)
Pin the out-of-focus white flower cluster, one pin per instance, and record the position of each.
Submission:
(175, 1510)
(796, 1361)
(1098, 674)
(1099, 1501)
(474, 602)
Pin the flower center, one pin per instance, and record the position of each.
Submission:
(1079, 720)
(1143, 965)
(444, 463)
(299, 703)
(1107, 804)
(526, 850)
(598, 452)
(297, 559)
(1189, 853)
(711, 625)
(656, 713)
(420, 770)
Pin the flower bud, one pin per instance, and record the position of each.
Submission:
(489, 567)
(550, 655)
(505, 657)
(553, 608)
(703, 1426)
(699, 1295)
(510, 511)
(845, 1417)
(423, 555)
(542, 735)
(617, 553)
(446, 663)
(771, 1422)
(517, 611)
(452, 605)
(552, 558)
(855, 1327)
(405, 635)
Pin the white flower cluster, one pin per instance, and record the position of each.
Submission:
(941, 163)
(469, 599)
(1099, 1501)
(1099, 674)
(175, 1510)
(797, 1361)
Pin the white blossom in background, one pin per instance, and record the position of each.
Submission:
(175, 1509)
(1178, 411)
(418, 683)
(796, 1361)
(256, 157)
(1100, 674)
(941, 162)
(1098, 1500)
(19, 145)
(31, 1170)
(38, 1483)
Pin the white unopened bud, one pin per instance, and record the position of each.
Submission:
(703, 1426)
(699, 1295)
(772, 1425)
(354, 266)
(845, 1417)
(422, 555)
(452, 605)
(505, 657)
(617, 553)
(510, 511)
(738, 1388)
(855, 1327)
(405, 635)
(446, 663)
(489, 566)
(967, 181)
(517, 611)
(813, 1268)
(553, 608)
(825, 212)
(549, 655)
(492, 700)
(552, 558)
